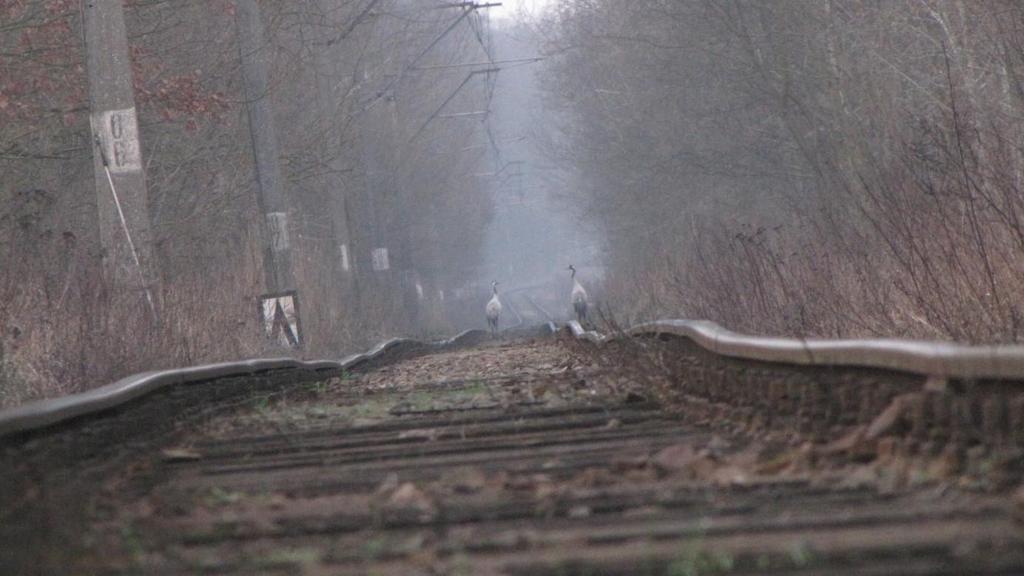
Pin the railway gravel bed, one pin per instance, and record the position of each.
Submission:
(514, 456)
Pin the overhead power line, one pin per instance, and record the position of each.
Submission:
(483, 63)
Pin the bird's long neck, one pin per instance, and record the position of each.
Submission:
(495, 290)
(573, 273)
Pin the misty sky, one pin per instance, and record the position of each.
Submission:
(511, 7)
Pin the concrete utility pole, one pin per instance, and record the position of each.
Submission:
(328, 74)
(122, 198)
(270, 186)
(410, 286)
(279, 307)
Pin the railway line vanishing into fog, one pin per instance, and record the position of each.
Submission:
(526, 309)
(680, 450)
(188, 182)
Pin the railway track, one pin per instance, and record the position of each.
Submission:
(524, 455)
(526, 310)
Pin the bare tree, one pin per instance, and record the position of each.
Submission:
(801, 166)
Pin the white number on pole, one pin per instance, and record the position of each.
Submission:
(119, 136)
(380, 259)
(343, 250)
(277, 227)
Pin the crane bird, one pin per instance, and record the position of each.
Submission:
(579, 297)
(493, 309)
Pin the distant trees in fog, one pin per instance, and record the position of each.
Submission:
(801, 166)
(352, 94)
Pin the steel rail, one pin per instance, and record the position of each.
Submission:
(640, 513)
(515, 311)
(520, 291)
(936, 359)
(45, 413)
(549, 319)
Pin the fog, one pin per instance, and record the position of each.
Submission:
(535, 233)
(514, 12)
(511, 287)
(201, 181)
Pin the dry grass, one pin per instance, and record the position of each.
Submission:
(65, 330)
(929, 248)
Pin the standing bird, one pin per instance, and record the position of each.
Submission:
(579, 298)
(493, 310)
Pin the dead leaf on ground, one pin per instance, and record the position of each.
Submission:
(852, 441)
(795, 461)
(463, 480)
(685, 459)
(717, 444)
(889, 418)
(409, 496)
(1018, 504)
(886, 450)
(635, 398)
(859, 477)
(539, 390)
(775, 465)
(579, 511)
(946, 465)
(593, 478)
(516, 538)
(430, 434)
(706, 467)
(388, 485)
(277, 501)
(674, 458)
(749, 457)
(729, 475)
(540, 484)
(643, 511)
(624, 463)
(179, 455)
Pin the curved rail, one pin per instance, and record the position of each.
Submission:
(44, 413)
(549, 319)
(515, 310)
(269, 478)
(944, 360)
(520, 322)
(939, 359)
